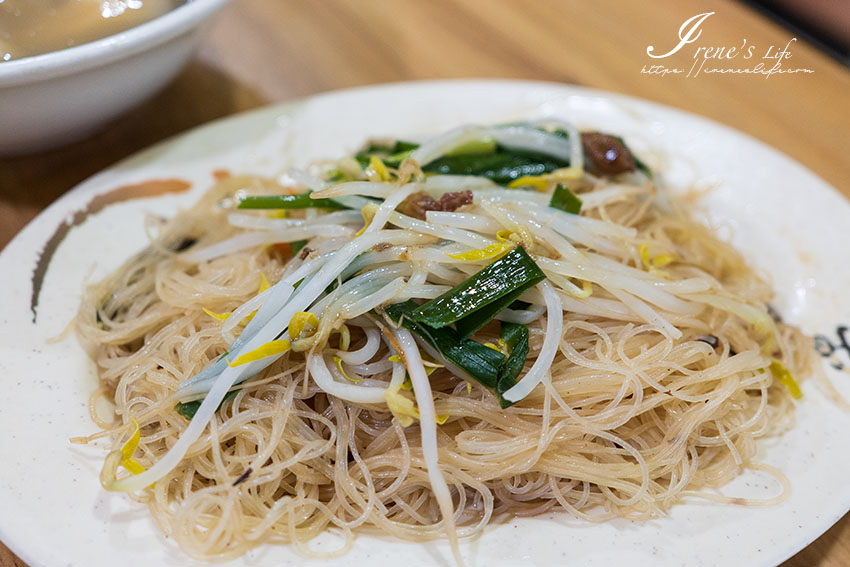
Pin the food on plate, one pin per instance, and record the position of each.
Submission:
(32, 27)
(421, 339)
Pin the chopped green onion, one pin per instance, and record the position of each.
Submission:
(477, 319)
(512, 334)
(477, 300)
(515, 338)
(396, 159)
(391, 154)
(565, 200)
(484, 158)
(300, 201)
(479, 362)
(501, 167)
(482, 146)
(189, 409)
(559, 132)
(402, 146)
(483, 364)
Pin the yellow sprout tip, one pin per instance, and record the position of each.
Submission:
(220, 316)
(338, 362)
(264, 283)
(377, 166)
(538, 182)
(781, 373)
(271, 348)
(299, 321)
(497, 249)
(401, 407)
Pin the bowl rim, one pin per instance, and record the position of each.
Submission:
(110, 48)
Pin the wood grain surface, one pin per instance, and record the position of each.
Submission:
(263, 51)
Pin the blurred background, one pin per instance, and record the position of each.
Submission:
(263, 51)
(258, 52)
(824, 23)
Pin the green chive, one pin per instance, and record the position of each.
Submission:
(477, 300)
(189, 409)
(516, 338)
(501, 166)
(565, 200)
(482, 146)
(300, 201)
(391, 154)
(297, 245)
(479, 362)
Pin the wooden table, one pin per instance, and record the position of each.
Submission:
(263, 51)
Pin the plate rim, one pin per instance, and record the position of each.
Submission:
(90, 186)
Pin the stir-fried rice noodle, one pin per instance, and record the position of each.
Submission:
(648, 377)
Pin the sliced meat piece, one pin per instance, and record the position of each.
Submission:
(456, 199)
(607, 154)
(419, 203)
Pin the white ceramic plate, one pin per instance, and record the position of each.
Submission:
(785, 219)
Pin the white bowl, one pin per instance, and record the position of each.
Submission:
(51, 99)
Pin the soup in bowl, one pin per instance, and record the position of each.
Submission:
(73, 65)
(33, 27)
